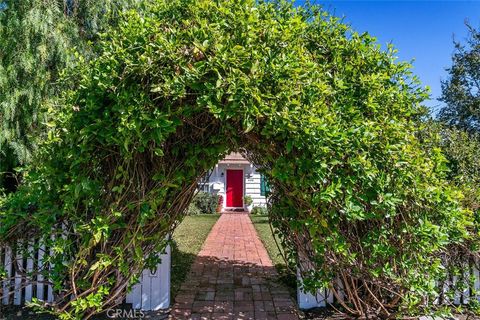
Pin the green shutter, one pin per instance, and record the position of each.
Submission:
(264, 188)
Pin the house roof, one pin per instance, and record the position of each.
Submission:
(234, 157)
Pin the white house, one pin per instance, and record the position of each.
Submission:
(234, 178)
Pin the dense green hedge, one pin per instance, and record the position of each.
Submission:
(259, 210)
(203, 203)
(326, 115)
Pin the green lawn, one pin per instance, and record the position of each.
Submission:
(188, 239)
(264, 232)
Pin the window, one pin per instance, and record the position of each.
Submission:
(204, 182)
(264, 188)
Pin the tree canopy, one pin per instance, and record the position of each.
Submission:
(458, 121)
(34, 41)
(327, 116)
(461, 91)
(36, 37)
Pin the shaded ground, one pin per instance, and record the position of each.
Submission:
(10, 312)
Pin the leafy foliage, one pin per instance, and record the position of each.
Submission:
(36, 37)
(203, 203)
(462, 151)
(458, 129)
(193, 210)
(248, 200)
(325, 115)
(461, 91)
(33, 38)
(259, 210)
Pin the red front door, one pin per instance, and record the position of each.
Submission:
(235, 188)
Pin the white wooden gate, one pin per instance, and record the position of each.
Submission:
(153, 290)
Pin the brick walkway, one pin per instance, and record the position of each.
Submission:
(233, 277)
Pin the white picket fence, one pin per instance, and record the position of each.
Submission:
(153, 290)
(325, 297)
(18, 288)
(23, 282)
(307, 300)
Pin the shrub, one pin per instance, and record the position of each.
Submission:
(206, 202)
(259, 210)
(248, 200)
(462, 150)
(220, 203)
(193, 210)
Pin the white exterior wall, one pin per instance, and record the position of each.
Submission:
(251, 182)
(252, 187)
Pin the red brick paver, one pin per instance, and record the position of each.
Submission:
(233, 277)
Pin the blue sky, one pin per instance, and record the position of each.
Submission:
(420, 30)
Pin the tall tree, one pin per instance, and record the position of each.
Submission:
(462, 151)
(35, 40)
(34, 43)
(461, 91)
(460, 118)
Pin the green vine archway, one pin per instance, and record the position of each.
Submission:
(326, 115)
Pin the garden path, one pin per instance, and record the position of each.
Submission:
(233, 277)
